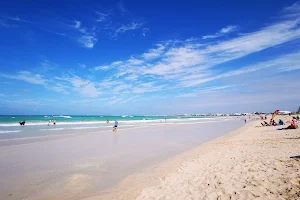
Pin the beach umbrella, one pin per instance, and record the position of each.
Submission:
(275, 113)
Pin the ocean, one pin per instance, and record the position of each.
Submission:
(38, 126)
(10, 120)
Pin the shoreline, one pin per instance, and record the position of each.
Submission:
(164, 180)
(73, 167)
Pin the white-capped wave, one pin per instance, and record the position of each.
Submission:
(133, 122)
(62, 116)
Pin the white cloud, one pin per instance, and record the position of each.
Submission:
(156, 52)
(145, 31)
(85, 38)
(77, 24)
(47, 65)
(26, 76)
(83, 66)
(222, 32)
(193, 94)
(292, 11)
(205, 90)
(59, 87)
(87, 41)
(102, 68)
(88, 90)
(284, 63)
(189, 63)
(228, 29)
(128, 27)
(134, 61)
(85, 87)
(121, 100)
(132, 77)
(18, 19)
(101, 17)
(122, 8)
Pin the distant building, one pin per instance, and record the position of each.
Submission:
(237, 114)
(281, 112)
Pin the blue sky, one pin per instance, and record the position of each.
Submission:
(132, 57)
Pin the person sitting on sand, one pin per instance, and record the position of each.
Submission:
(281, 122)
(265, 124)
(293, 125)
(273, 123)
(115, 128)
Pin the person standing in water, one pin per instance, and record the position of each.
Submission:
(115, 128)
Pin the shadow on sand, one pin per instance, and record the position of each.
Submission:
(297, 157)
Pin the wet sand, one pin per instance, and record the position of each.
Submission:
(83, 165)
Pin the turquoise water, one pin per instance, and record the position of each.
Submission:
(6, 120)
(39, 126)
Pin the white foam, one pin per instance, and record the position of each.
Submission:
(52, 129)
(80, 128)
(62, 116)
(3, 132)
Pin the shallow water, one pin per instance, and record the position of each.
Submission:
(94, 160)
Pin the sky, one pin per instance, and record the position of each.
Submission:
(149, 57)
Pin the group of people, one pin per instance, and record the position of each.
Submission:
(52, 121)
(263, 117)
(293, 124)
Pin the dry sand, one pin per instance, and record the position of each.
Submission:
(250, 163)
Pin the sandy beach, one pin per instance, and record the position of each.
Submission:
(183, 161)
(252, 162)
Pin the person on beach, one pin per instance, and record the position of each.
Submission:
(54, 122)
(265, 124)
(115, 128)
(107, 121)
(245, 121)
(293, 125)
(281, 122)
(272, 122)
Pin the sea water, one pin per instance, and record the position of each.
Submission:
(42, 125)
